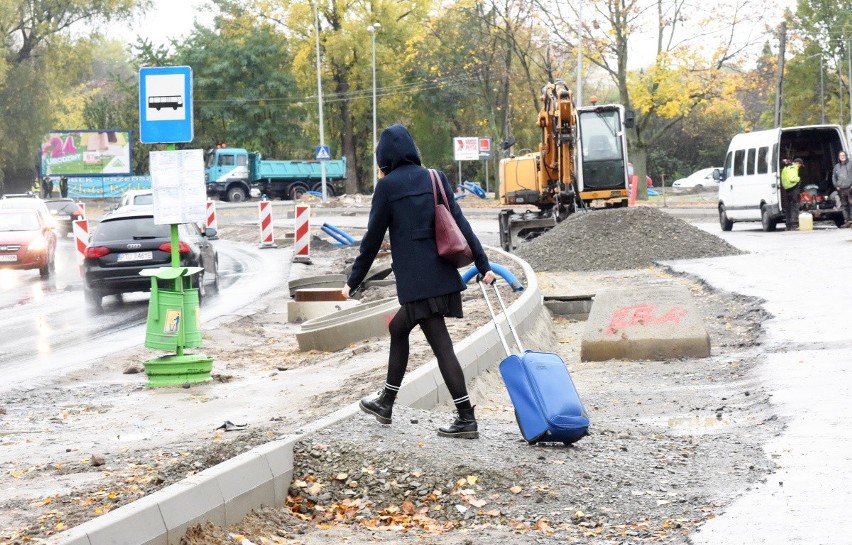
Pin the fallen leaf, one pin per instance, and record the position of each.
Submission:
(471, 479)
(477, 503)
(516, 489)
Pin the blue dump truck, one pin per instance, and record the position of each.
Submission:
(232, 173)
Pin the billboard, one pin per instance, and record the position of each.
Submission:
(85, 153)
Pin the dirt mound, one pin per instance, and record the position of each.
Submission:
(621, 238)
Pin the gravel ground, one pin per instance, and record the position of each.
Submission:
(671, 443)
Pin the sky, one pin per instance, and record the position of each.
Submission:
(174, 19)
(168, 19)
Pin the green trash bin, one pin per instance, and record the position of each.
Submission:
(192, 322)
(165, 311)
(170, 310)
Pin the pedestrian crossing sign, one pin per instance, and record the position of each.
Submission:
(323, 153)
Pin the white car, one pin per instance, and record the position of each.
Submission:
(697, 181)
(137, 197)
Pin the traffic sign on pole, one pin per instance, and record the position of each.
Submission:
(165, 104)
(323, 153)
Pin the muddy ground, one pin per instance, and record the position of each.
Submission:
(671, 443)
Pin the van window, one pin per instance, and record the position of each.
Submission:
(775, 158)
(729, 161)
(739, 162)
(750, 162)
(763, 160)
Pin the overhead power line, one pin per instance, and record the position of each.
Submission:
(388, 90)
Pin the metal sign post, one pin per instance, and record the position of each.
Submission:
(177, 180)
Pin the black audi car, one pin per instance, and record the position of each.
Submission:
(127, 241)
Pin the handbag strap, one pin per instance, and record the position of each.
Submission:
(437, 186)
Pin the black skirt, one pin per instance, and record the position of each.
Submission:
(449, 306)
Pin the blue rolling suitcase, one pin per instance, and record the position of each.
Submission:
(547, 405)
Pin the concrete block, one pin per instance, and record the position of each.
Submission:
(324, 281)
(137, 523)
(651, 323)
(420, 387)
(246, 482)
(574, 307)
(338, 330)
(279, 456)
(298, 311)
(74, 536)
(319, 294)
(191, 501)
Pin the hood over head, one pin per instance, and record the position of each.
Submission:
(396, 148)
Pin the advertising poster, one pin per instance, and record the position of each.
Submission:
(86, 153)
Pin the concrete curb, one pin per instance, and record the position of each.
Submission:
(227, 492)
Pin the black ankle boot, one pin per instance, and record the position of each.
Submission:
(464, 426)
(380, 406)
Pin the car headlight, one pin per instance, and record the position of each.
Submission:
(38, 244)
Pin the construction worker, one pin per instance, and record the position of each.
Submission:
(790, 184)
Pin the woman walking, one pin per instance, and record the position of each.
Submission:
(428, 288)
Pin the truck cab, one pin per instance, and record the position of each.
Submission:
(227, 174)
(603, 172)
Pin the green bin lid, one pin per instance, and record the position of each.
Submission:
(170, 273)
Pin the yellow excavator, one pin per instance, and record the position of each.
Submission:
(581, 164)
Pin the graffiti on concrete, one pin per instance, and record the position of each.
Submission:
(642, 315)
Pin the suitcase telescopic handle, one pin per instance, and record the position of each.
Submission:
(494, 317)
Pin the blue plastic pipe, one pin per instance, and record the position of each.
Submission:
(498, 269)
(336, 236)
(340, 232)
(474, 188)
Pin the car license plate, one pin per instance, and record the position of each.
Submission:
(9, 258)
(134, 256)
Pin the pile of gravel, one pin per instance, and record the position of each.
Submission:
(618, 239)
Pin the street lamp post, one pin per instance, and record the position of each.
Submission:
(372, 29)
(319, 103)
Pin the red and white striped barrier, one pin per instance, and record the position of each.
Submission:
(82, 206)
(81, 237)
(212, 222)
(302, 240)
(267, 240)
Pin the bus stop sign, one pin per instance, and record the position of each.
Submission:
(165, 104)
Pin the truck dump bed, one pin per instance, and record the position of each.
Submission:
(297, 170)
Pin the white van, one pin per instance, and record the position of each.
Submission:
(750, 183)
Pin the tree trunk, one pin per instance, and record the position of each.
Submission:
(347, 138)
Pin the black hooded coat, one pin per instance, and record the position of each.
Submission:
(403, 204)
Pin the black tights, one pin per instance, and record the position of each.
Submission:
(435, 330)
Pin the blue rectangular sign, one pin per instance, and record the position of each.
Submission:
(165, 104)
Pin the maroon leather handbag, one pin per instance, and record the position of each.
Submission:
(452, 246)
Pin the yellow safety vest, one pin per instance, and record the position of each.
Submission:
(790, 176)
